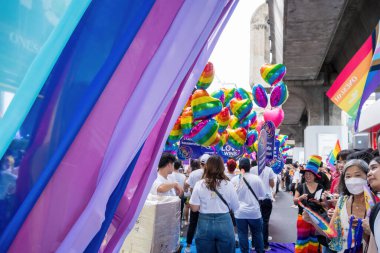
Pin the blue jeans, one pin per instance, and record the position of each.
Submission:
(215, 233)
(256, 227)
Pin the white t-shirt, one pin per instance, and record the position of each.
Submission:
(296, 177)
(210, 202)
(178, 177)
(230, 176)
(266, 175)
(249, 206)
(194, 177)
(159, 181)
(377, 230)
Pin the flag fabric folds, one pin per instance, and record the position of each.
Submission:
(359, 78)
(100, 116)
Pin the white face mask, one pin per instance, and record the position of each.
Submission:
(355, 185)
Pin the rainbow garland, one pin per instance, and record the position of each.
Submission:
(320, 222)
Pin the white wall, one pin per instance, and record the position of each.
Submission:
(319, 140)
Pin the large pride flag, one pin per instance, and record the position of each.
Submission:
(358, 79)
(88, 96)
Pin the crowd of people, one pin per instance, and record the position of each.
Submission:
(230, 202)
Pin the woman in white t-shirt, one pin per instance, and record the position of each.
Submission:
(215, 232)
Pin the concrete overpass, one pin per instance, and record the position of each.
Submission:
(315, 40)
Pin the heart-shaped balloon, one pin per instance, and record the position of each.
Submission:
(228, 95)
(223, 140)
(240, 108)
(205, 132)
(207, 77)
(234, 122)
(218, 94)
(276, 115)
(204, 106)
(259, 125)
(188, 102)
(252, 137)
(237, 137)
(171, 148)
(186, 120)
(245, 123)
(279, 94)
(176, 133)
(260, 95)
(241, 94)
(272, 73)
(223, 119)
(251, 149)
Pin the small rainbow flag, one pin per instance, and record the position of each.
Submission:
(320, 222)
(331, 159)
(370, 199)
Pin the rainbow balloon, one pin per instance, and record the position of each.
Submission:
(204, 106)
(252, 137)
(171, 148)
(241, 94)
(272, 73)
(218, 94)
(259, 95)
(223, 119)
(223, 140)
(240, 108)
(205, 132)
(234, 122)
(206, 77)
(279, 95)
(228, 95)
(320, 222)
(186, 120)
(176, 133)
(237, 137)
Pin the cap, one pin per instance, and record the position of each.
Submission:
(204, 158)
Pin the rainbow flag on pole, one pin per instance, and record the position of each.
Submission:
(359, 78)
(373, 78)
(348, 87)
(331, 159)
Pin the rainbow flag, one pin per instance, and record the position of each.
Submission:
(373, 78)
(320, 222)
(331, 159)
(348, 87)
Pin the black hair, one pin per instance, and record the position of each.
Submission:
(195, 164)
(375, 153)
(165, 159)
(354, 162)
(321, 165)
(253, 163)
(376, 159)
(177, 164)
(342, 155)
(244, 164)
(362, 155)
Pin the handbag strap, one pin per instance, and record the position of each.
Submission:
(250, 189)
(223, 200)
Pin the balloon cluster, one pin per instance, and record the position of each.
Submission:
(273, 75)
(213, 120)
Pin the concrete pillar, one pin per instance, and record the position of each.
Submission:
(259, 44)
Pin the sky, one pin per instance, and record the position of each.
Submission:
(231, 54)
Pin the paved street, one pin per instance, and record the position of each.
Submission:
(282, 225)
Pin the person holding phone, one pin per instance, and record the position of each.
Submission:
(309, 193)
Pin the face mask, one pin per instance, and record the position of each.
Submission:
(355, 185)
